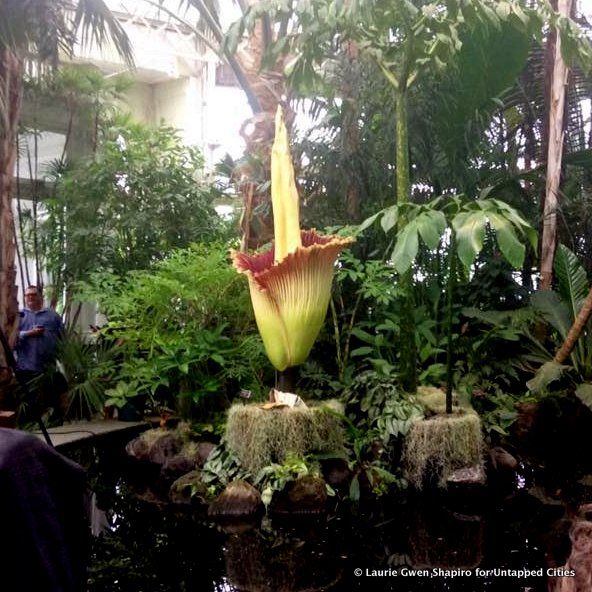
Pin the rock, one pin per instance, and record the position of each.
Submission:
(306, 495)
(502, 461)
(469, 476)
(189, 489)
(502, 469)
(539, 493)
(204, 449)
(466, 487)
(156, 446)
(176, 467)
(190, 457)
(138, 448)
(164, 447)
(238, 500)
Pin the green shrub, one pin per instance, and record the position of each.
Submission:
(184, 329)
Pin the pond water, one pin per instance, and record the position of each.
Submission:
(416, 545)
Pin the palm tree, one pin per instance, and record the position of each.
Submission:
(36, 32)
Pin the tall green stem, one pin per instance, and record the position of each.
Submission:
(449, 300)
(403, 184)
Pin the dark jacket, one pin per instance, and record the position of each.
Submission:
(44, 533)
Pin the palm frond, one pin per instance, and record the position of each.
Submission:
(95, 24)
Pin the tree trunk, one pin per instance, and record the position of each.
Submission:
(11, 88)
(350, 133)
(575, 331)
(554, 157)
(449, 310)
(408, 349)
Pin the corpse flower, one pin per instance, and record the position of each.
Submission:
(290, 283)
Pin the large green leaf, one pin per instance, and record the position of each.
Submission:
(553, 309)
(549, 372)
(510, 246)
(389, 219)
(406, 247)
(470, 233)
(431, 225)
(572, 283)
(584, 393)
(369, 221)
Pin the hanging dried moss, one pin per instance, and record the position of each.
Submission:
(437, 446)
(259, 437)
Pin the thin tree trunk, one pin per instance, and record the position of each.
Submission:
(408, 349)
(449, 310)
(575, 331)
(351, 133)
(11, 87)
(554, 157)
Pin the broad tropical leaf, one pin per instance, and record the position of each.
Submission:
(584, 393)
(406, 248)
(510, 246)
(389, 219)
(431, 225)
(554, 310)
(572, 283)
(470, 233)
(549, 372)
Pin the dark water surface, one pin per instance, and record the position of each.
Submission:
(145, 547)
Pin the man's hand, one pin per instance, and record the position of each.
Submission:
(36, 331)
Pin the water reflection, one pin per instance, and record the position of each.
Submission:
(258, 561)
(152, 547)
(441, 538)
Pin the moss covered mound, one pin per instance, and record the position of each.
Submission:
(433, 400)
(259, 437)
(435, 447)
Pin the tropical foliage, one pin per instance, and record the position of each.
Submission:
(427, 143)
(183, 331)
(37, 29)
(141, 195)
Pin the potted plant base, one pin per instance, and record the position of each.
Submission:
(440, 444)
(260, 436)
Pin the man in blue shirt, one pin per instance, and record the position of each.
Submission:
(39, 329)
